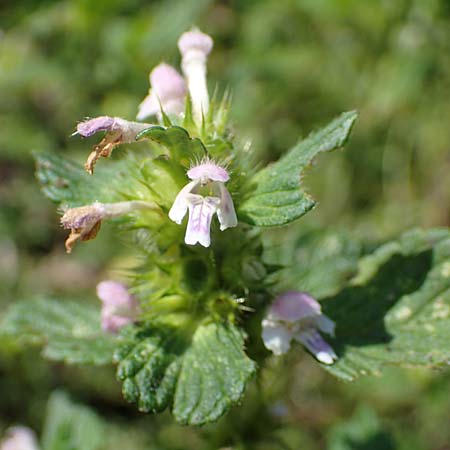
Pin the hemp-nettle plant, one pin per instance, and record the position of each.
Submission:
(215, 294)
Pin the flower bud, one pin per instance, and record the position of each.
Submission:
(168, 91)
(195, 47)
(119, 307)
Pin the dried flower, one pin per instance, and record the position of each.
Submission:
(297, 315)
(209, 177)
(119, 307)
(168, 91)
(19, 438)
(85, 221)
(118, 131)
(195, 47)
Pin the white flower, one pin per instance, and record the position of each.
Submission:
(211, 178)
(168, 91)
(195, 47)
(297, 315)
(19, 438)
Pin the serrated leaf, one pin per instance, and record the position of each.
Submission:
(199, 379)
(181, 146)
(71, 426)
(278, 197)
(68, 331)
(397, 309)
(66, 182)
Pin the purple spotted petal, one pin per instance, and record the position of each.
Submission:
(201, 210)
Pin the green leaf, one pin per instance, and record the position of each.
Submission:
(68, 331)
(278, 197)
(66, 182)
(71, 427)
(396, 311)
(318, 261)
(181, 146)
(199, 379)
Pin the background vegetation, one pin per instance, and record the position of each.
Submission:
(292, 66)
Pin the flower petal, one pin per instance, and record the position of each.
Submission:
(201, 210)
(314, 342)
(276, 337)
(325, 324)
(19, 438)
(180, 205)
(293, 306)
(208, 171)
(226, 213)
(148, 107)
(168, 91)
(92, 126)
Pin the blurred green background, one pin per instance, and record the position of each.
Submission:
(291, 66)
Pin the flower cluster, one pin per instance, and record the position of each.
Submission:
(206, 194)
(172, 191)
(297, 315)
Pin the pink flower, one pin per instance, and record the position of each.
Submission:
(119, 307)
(207, 177)
(118, 131)
(19, 438)
(168, 91)
(297, 315)
(195, 47)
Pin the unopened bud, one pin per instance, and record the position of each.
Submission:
(195, 47)
(168, 91)
(119, 307)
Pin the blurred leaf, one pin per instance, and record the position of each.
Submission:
(69, 331)
(71, 427)
(278, 197)
(181, 146)
(315, 260)
(363, 431)
(396, 311)
(200, 379)
(67, 183)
